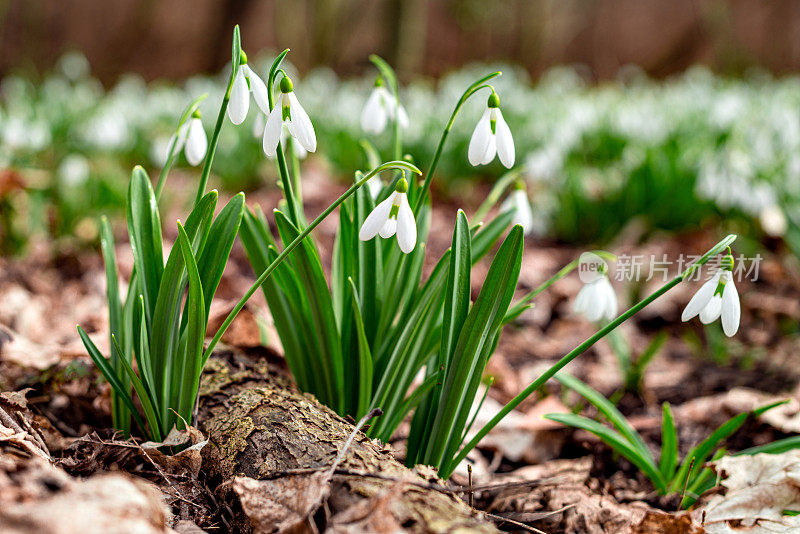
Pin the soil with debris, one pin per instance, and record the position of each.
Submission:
(266, 458)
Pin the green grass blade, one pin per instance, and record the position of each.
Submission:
(212, 260)
(486, 235)
(192, 363)
(669, 443)
(608, 410)
(112, 378)
(144, 227)
(165, 330)
(120, 415)
(776, 447)
(457, 294)
(616, 441)
(693, 461)
(307, 265)
(479, 329)
(364, 382)
(144, 394)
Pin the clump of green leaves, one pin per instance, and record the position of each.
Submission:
(689, 477)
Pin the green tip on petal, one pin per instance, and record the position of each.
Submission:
(494, 100)
(286, 85)
(402, 186)
(242, 58)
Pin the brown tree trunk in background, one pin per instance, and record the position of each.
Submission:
(412, 30)
(271, 448)
(230, 13)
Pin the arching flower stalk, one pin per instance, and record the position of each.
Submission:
(246, 82)
(717, 298)
(380, 108)
(491, 137)
(288, 111)
(390, 217)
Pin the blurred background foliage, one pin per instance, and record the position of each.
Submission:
(668, 114)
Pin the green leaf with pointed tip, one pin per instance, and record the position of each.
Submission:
(669, 443)
(480, 327)
(614, 440)
(608, 410)
(144, 227)
(363, 385)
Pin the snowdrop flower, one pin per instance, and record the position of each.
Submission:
(192, 138)
(491, 136)
(596, 299)
(773, 221)
(390, 217)
(258, 131)
(518, 200)
(288, 111)
(245, 82)
(717, 297)
(381, 107)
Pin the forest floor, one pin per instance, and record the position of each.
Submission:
(528, 473)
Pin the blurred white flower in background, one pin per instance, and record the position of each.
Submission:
(73, 170)
(518, 201)
(380, 108)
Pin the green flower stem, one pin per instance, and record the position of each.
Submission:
(448, 469)
(283, 170)
(429, 175)
(400, 165)
(212, 146)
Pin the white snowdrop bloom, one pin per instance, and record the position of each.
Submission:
(491, 137)
(518, 200)
(246, 82)
(390, 217)
(717, 298)
(299, 151)
(773, 221)
(596, 300)
(191, 137)
(381, 107)
(73, 170)
(288, 111)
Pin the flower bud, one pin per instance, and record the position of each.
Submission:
(286, 85)
(494, 101)
(402, 186)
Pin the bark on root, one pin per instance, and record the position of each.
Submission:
(264, 434)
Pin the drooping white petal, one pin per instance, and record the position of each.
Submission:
(609, 298)
(711, 311)
(479, 143)
(406, 226)
(505, 143)
(374, 186)
(731, 309)
(259, 89)
(300, 125)
(491, 150)
(239, 102)
(402, 116)
(179, 138)
(701, 298)
(272, 130)
(196, 142)
(374, 116)
(518, 200)
(258, 124)
(389, 228)
(595, 302)
(375, 220)
(582, 300)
